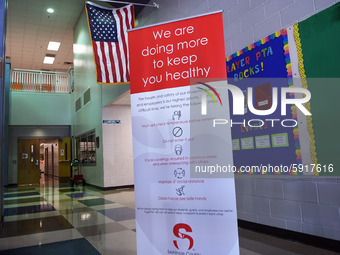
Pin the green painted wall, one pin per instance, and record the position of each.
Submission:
(89, 117)
(35, 115)
(27, 108)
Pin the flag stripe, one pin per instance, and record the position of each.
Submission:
(108, 61)
(112, 61)
(99, 72)
(128, 11)
(122, 42)
(114, 50)
(130, 24)
(104, 62)
(101, 63)
(119, 45)
(127, 26)
(119, 61)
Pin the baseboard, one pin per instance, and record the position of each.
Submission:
(111, 188)
(316, 241)
(13, 185)
(63, 179)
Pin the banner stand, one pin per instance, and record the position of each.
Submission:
(179, 208)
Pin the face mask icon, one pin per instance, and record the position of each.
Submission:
(178, 149)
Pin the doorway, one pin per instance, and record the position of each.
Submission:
(28, 161)
(49, 158)
(43, 160)
(35, 158)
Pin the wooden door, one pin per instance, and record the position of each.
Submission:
(46, 162)
(52, 161)
(65, 157)
(28, 161)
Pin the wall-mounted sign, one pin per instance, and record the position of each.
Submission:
(111, 122)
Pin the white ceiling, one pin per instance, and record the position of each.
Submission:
(30, 27)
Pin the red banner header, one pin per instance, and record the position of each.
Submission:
(169, 55)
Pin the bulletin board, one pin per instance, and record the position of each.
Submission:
(264, 65)
(317, 40)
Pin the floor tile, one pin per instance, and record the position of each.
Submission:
(119, 214)
(28, 209)
(78, 195)
(18, 189)
(10, 198)
(106, 206)
(39, 238)
(101, 229)
(31, 216)
(248, 252)
(95, 202)
(264, 244)
(64, 206)
(77, 246)
(88, 218)
(76, 210)
(24, 200)
(25, 194)
(109, 227)
(26, 227)
(63, 190)
(62, 199)
(125, 197)
(64, 184)
(119, 243)
(26, 204)
(130, 224)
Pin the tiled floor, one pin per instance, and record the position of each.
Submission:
(57, 219)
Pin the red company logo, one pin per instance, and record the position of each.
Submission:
(181, 235)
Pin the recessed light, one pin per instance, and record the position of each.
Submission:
(53, 46)
(49, 60)
(50, 10)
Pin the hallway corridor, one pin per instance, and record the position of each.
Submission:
(64, 220)
(58, 219)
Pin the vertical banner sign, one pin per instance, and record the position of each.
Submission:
(178, 212)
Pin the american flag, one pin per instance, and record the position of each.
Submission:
(108, 28)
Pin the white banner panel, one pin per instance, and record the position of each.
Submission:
(182, 206)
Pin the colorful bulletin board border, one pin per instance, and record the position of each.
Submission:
(283, 33)
(304, 85)
(250, 47)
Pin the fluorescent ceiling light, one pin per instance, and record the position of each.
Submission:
(53, 46)
(50, 10)
(49, 60)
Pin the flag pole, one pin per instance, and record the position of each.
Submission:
(155, 5)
